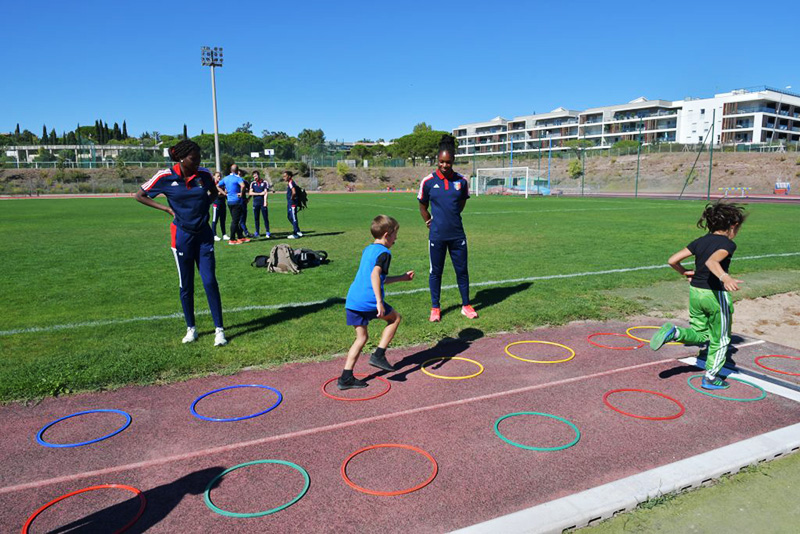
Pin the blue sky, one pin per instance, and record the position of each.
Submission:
(375, 69)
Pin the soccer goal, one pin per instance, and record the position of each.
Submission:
(507, 181)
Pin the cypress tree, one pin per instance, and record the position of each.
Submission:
(16, 134)
(117, 133)
(53, 137)
(124, 130)
(106, 133)
(43, 140)
(185, 135)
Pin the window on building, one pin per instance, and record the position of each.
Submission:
(702, 111)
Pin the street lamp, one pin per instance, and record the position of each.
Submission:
(638, 155)
(212, 57)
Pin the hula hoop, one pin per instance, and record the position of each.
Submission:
(142, 504)
(760, 397)
(242, 418)
(530, 448)
(220, 511)
(540, 361)
(384, 392)
(389, 493)
(648, 418)
(776, 370)
(589, 339)
(101, 438)
(628, 331)
(473, 375)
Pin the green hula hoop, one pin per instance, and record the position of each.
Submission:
(220, 511)
(528, 447)
(760, 397)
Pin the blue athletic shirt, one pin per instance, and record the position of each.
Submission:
(188, 197)
(444, 197)
(233, 185)
(258, 186)
(360, 296)
(289, 188)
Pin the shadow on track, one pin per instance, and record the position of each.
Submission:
(161, 500)
(445, 348)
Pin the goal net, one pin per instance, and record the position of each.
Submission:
(507, 181)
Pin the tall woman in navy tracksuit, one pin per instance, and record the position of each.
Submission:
(445, 192)
(190, 190)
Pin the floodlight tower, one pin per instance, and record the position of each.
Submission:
(212, 57)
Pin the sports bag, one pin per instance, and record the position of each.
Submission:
(302, 197)
(260, 261)
(281, 261)
(306, 258)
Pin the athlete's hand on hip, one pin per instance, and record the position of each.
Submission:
(730, 283)
(409, 276)
(688, 275)
(428, 222)
(381, 309)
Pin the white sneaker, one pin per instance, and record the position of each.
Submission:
(191, 335)
(219, 337)
(299, 234)
(268, 235)
(291, 236)
(225, 237)
(217, 238)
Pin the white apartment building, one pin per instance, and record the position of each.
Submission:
(762, 115)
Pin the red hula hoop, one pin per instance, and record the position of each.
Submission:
(667, 418)
(384, 392)
(389, 493)
(142, 504)
(589, 339)
(776, 370)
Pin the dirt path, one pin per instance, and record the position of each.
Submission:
(775, 318)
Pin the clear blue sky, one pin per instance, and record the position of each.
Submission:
(374, 69)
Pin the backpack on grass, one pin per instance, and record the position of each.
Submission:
(306, 258)
(260, 261)
(281, 260)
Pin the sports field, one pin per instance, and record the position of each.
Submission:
(90, 299)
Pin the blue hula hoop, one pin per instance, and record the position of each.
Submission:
(68, 445)
(242, 418)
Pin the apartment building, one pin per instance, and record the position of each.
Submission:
(759, 115)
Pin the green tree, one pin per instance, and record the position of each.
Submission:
(575, 168)
(44, 155)
(625, 145)
(16, 134)
(245, 128)
(116, 133)
(422, 144)
(124, 130)
(422, 127)
(360, 152)
(310, 138)
(185, 132)
(53, 140)
(44, 137)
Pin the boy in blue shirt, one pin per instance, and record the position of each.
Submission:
(365, 300)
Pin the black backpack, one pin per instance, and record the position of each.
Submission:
(260, 261)
(301, 198)
(306, 258)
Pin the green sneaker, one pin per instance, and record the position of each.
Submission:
(664, 335)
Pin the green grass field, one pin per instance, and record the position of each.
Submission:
(90, 299)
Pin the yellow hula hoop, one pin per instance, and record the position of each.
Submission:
(451, 377)
(572, 355)
(628, 331)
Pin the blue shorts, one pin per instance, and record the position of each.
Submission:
(362, 318)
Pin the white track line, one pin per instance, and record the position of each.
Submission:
(759, 342)
(106, 322)
(317, 430)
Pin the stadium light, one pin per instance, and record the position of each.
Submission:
(212, 57)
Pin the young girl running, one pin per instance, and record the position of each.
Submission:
(710, 305)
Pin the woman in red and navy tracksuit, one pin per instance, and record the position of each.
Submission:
(446, 193)
(190, 190)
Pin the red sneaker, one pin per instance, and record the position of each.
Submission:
(436, 315)
(234, 242)
(244, 240)
(469, 312)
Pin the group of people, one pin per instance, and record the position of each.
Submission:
(442, 197)
(235, 191)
